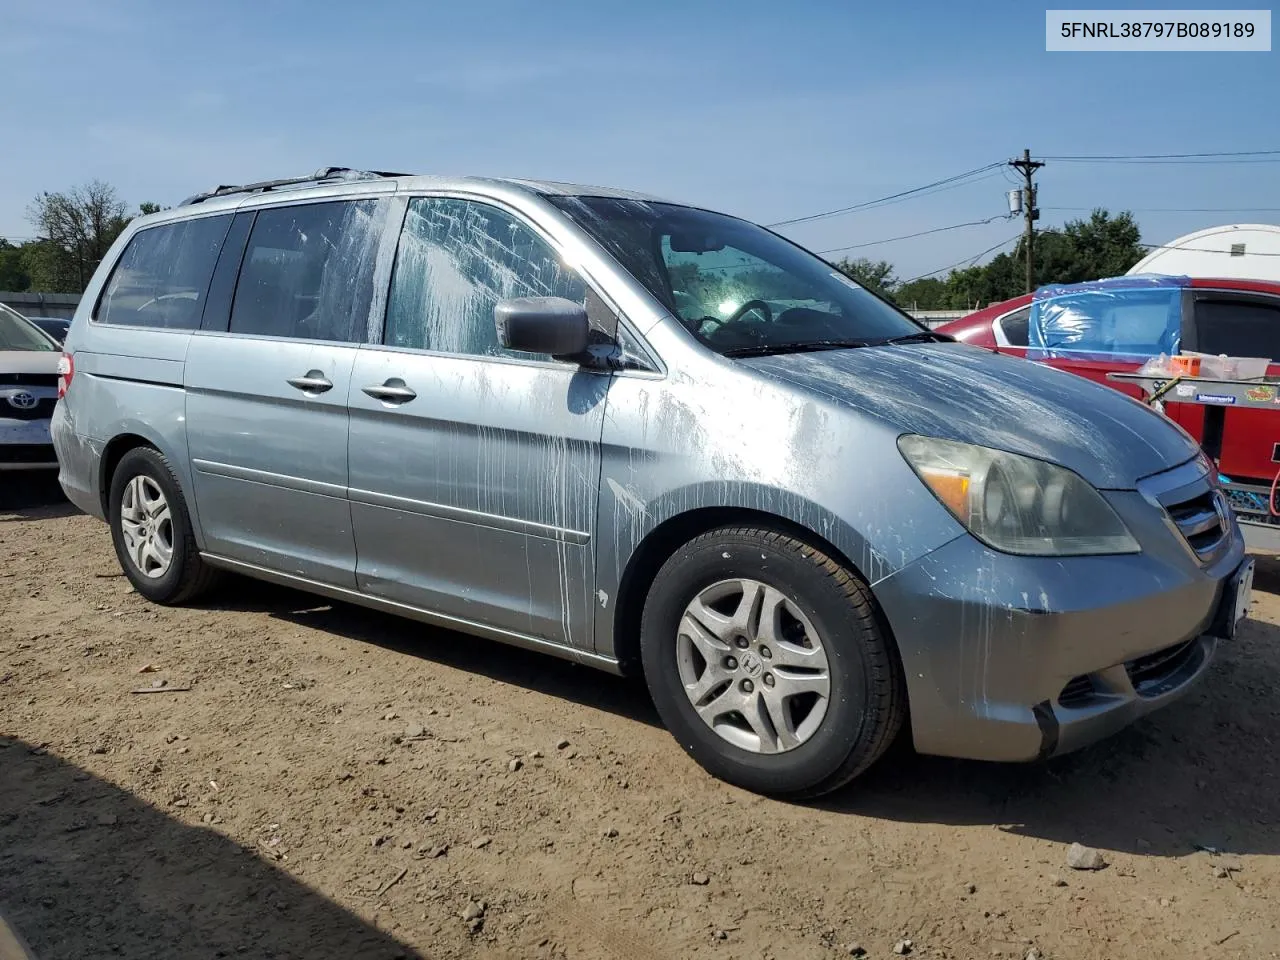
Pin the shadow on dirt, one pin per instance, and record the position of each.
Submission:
(625, 697)
(89, 870)
(34, 496)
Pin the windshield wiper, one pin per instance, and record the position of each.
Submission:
(924, 336)
(795, 346)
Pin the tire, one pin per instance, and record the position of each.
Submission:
(143, 480)
(797, 747)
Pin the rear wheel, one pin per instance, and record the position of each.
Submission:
(767, 661)
(151, 530)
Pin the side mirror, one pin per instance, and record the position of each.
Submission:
(551, 325)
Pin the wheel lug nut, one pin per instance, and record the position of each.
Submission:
(730, 663)
(768, 680)
(747, 686)
(742, 643)
(766, 653)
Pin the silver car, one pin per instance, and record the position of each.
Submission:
(29, 361)
(644, 437)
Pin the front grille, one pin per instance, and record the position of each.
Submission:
(1159, 672)
(1200, 522)
(1078, 692)
(28, 379)
(43, 410)
(27, 453)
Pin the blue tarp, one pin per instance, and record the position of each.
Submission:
(1120, 318)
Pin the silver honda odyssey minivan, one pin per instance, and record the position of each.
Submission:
(645, 437)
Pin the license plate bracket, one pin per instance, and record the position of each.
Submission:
(1236, 597)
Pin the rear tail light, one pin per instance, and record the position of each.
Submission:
(66, 370)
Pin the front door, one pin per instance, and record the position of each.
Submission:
(475, 470)
(267, 417)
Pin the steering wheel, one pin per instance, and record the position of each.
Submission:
(748, 306)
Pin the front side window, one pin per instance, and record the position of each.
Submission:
(307, 271)
(738, 288)
(18, 333)
(456, 260)
(163, 275)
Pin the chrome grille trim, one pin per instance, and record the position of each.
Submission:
(1194, 507)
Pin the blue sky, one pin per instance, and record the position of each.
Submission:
(766, 110)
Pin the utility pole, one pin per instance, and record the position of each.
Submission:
(1026, 166)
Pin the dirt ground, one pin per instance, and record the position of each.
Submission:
(327, 782)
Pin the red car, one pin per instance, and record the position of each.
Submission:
(1116, 325)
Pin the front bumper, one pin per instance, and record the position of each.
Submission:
(26, 445)
(1018, 658)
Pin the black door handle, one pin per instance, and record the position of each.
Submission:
(392, 391)
(314, 382)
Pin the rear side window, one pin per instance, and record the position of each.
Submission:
(1105, 325)
(456, 260)
(307, 271)
(163, 275)
(1238, 328)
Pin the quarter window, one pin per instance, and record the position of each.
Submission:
(163, 275)
(308, 271)
(456, 260)
(1014, 326)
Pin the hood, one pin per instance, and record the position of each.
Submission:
(29, 361)
(955, 392)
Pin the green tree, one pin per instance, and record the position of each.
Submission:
(52, 268)
(1087, 249)
(875, 275)
(1101, 246)
(76, 227)
(13, 272)
(927, 293)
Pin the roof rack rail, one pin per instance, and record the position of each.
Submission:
(321, 175)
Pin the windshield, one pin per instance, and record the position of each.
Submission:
(737, 287)
(16, 333)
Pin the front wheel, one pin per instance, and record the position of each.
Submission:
(151, 530)
(767, 661)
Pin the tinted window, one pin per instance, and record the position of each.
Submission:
(308, 271)
(456, 260)
(54, 327)
(163, 275)
(1015, 327)
(1238, 328)
(734, 285)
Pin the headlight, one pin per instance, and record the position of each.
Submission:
(1017, 504)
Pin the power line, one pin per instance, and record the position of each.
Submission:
(1227, 156)
(910, 236)
(966, 261)
(1177, 209)
(902, 195)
